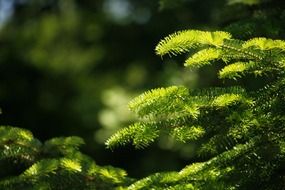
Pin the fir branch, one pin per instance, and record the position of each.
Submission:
(62, 145)
(203, 57)
(236, 70)
(183, 41)
(140, 134)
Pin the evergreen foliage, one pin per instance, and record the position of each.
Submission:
(240, 131)
(55, 164)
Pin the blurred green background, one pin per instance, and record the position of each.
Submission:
(70, 67)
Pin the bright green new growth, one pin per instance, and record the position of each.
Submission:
(55, 164)
(235, 70)
(178, 111)
(221, 46)
(241, 131)
(183, 41)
